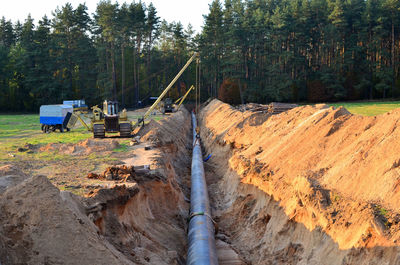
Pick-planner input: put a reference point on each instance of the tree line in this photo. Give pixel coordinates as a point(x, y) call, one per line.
point(251, 50)
point(122, 52)
point(302, 50)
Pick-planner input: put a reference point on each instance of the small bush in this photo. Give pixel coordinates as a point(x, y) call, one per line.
point(229, 91)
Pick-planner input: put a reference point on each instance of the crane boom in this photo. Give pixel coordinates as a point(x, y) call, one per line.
point(165, 91)
point(184, 97)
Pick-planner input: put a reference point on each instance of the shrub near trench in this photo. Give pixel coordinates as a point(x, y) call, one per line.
point(229, 91)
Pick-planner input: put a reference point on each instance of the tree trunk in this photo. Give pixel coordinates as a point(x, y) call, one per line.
point(393, 62)
point(123, 76)
point(372, 58)
point(107, 61)
point(114, 75)
point(135, 97)
point(149, 61)
point(241, 92)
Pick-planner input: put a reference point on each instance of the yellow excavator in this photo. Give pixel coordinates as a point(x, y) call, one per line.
point(106, 120)
point(110, 120)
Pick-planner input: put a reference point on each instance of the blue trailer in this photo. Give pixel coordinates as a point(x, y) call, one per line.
point(55, 117)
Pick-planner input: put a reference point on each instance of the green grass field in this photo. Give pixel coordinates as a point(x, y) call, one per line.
point(19, 130)
point(369, 108)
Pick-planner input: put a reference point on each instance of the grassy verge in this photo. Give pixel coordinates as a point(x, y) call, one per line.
point(368, 108)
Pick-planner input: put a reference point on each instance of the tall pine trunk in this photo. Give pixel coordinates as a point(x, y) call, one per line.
point(393, 62)
point(149, 61)
point(135, 94)
point(114, 75)
point(123, 75)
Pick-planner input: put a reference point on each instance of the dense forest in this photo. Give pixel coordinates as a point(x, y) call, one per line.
point(251, 50)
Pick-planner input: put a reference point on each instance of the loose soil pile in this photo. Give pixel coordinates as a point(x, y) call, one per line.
point(313, 185)
point(125, 173)
point(39, 227)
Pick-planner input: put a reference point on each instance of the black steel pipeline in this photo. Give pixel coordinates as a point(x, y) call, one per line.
point(201, 228)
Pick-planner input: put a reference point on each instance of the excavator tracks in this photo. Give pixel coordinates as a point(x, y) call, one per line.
point(125, 129)
point(99, 131)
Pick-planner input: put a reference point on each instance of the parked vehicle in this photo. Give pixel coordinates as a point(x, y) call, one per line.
point(55, 117)
point(78, 105)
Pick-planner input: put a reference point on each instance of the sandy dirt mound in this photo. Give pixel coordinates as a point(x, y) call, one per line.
point(38, 227)
point(146, 131)
point(144, 221)
point(10, 176)
point(328, 172)
point(168, 130)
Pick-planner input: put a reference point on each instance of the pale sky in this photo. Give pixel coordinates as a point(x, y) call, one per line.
point(185, 11)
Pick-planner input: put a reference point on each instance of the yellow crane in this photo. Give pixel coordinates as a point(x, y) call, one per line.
point(141, 120)
point(182, 99)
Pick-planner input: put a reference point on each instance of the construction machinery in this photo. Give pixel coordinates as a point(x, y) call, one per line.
point(167, 106)
point(159, 99)
point(106, 120)
point(109, 120)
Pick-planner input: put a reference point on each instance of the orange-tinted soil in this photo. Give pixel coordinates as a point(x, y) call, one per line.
point(314, 185)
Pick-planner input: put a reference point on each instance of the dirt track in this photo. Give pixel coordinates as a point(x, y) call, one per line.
point(314, 185)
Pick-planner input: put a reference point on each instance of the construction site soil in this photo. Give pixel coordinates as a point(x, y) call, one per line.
point(312, 185)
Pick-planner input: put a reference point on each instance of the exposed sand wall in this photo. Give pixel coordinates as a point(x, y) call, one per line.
point(314, 185)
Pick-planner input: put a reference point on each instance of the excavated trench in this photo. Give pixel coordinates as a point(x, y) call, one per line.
point(261, 216)
point(147, 221)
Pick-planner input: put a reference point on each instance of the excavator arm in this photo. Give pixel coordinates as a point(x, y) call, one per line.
point(74, 118)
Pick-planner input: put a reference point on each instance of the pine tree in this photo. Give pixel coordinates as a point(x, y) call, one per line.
point(152, 30)
point(211, 45)
point(106, 20)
